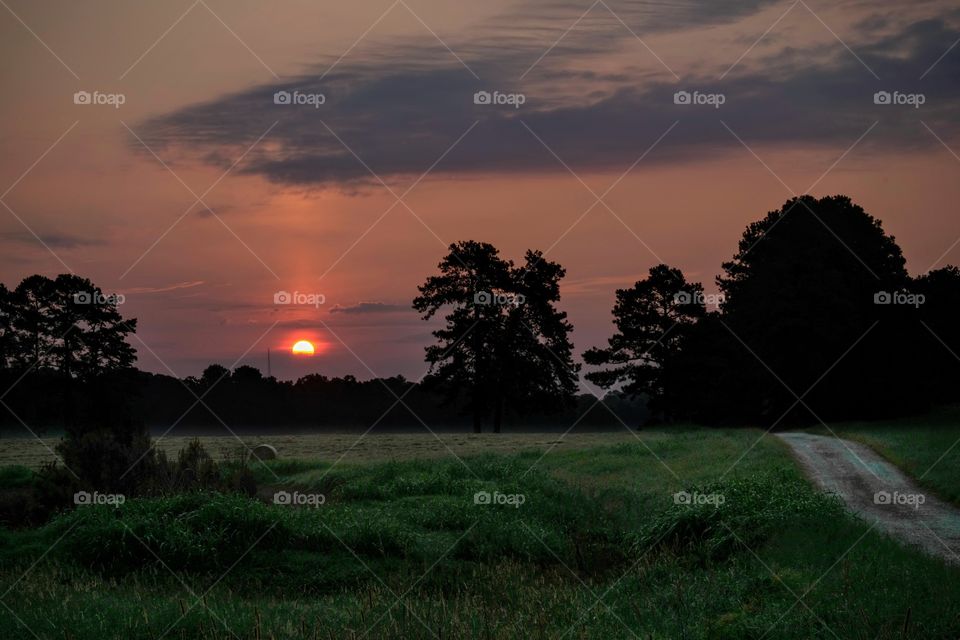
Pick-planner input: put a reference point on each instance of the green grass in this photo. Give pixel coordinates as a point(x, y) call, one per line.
point(925, 447)
point(15, 476)
point(400, 550)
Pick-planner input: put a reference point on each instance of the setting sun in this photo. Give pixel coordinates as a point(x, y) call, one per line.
point(303, 348)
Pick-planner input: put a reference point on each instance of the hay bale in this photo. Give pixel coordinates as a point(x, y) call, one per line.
point(263, 452)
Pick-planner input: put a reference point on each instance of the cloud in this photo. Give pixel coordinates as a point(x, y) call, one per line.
point(369, 307)
point(391, 115)
point(171, 287)
point(53, 240)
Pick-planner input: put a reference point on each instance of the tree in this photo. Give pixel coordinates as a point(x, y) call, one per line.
point(64, 335)
point(504, 342)
point(800, 307)
point(8, 310)
point(245, 374)
point(213, 374)
point(461, 361)
point(57, 335)
point(536, 371)
point(653, 321)
point(33, 301)
point(68, 325)
point(940, 330)
point(90, 333)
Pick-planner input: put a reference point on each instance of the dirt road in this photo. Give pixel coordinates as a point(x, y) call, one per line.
point(879, 492)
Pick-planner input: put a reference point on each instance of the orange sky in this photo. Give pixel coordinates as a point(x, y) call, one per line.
point(203, 285)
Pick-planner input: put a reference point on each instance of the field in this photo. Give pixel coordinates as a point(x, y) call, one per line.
point(582, 541)
point(347, 448)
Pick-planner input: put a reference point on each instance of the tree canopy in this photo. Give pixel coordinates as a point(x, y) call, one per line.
point(817, 318)
point(504, 344)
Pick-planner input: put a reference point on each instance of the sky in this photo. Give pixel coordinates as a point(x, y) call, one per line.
point(151, 147)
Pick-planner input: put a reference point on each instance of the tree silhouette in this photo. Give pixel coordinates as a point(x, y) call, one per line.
point(213, 374)
point(33, 317)
point(800, 306)
point(653, 321)
point(67, 325)
point(64, 335)
point(504, 342)
point(8, 348)
point(536, 371)
point(940, 366)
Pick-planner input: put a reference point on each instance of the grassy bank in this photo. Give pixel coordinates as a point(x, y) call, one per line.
point(925, 447)
point(596, 548)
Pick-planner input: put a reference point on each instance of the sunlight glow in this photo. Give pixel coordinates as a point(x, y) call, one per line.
point(302, 348)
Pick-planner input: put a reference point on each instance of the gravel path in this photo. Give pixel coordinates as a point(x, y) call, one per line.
point(879, 492)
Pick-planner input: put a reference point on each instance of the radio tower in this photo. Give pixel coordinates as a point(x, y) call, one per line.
point(269, 373)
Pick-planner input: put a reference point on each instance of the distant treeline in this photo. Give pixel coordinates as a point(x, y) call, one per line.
point(246, 401)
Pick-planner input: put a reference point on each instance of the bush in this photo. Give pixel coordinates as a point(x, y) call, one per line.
point(53, 488)
point(111, 460)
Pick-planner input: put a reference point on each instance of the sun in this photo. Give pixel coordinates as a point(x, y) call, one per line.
point(302, 348)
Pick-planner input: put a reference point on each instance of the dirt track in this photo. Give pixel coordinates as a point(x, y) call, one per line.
point(879, 492)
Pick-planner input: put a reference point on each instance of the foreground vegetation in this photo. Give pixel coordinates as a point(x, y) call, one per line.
point(597, 549)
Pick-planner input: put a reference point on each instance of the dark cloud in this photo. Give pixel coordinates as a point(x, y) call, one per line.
point(369, 307)
point(54, 240)
point(399, 113)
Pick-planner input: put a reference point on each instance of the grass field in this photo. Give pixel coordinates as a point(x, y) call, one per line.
point(926, 447)
point(401, 549)
point(32, 452)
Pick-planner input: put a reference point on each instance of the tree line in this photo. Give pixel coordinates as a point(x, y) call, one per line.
point(66, 364)
point(816, 318)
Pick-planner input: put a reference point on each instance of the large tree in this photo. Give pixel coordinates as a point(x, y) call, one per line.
point(800, 309)
point(653, 320)
point(67, 325)
point(504, 342)
point(65, 343)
